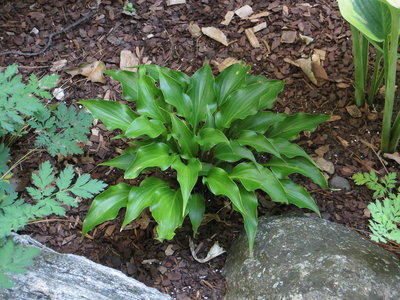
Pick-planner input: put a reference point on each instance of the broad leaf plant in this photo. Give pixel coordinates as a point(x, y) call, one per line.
point(203, 132)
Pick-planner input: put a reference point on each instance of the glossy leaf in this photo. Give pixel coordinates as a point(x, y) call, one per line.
point(106, 206)
point(229, 80)
point(232, 152)
point(114, 115)
point(201, 92)
point(371, 17)
point(268, 99)
point(209, 137)
point(166, 210)
point(196, 208)
point(258, 142)
point(259, 123)
point(124, 160)
point(298, 165)
point(153, 155)
point(254, 177)
point(298, 196)
point(141, 197)
point(291, 150)
point(184, 137)
point(143, 126)
point(242, 103)
point(250, 218)
point(174, 94)
point(178, 76)
point(291, 126)
point(187, 175)
point(219, 183)
point(148, 102)
point(128, 81)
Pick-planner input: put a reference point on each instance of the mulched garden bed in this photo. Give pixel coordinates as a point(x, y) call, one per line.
point(160, 33)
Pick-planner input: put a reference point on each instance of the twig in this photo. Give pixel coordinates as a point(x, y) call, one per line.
point(50, 37)
point(18, 162)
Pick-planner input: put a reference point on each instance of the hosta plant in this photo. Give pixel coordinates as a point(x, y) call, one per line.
point(213, 133)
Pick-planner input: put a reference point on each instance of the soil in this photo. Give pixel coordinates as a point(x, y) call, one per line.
point(159, 32)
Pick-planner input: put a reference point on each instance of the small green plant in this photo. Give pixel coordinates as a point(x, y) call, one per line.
point(216, 133)
point(49, 195)
point(385, 213)
point(129, 7)
point(376, 22)
point(58, 131)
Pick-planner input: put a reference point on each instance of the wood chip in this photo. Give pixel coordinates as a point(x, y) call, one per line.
point(244, 11)
point(288, 37)
point(354, 111)
point(334, 118)
point(320, 53)
point(252, 38)
point(226, 63)
point(175, 2)
point(215, 34)
point(195, 30)
point(259, 27)
point(343, 85)
point(260, 15)
point(228, 17)
point(128, 59)
point(306, 39)
point(325, 165)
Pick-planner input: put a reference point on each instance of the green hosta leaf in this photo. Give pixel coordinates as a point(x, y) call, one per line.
point(184, 137)
point(143, 126)
point(124, 160)
point(166, 210)
point(258, 142)
point(298, 196)
point(113, 114)
point(291, 126)
point(232, 152)
point(187, 175)
point(196, 207)
point(291, 150)
point(300, 165)
point(250, 219)
point(141, 197)
point(229, 80)
point(178, 76)
point(153, 155)
point(268, 99)
point(371, 17)
point(254, 177)
point(149, 102)
point(209, 137)
point(219, 183)
point(128, 81)
point(259, 123)
point(174, 94)
point(106, 206)
point(201, 93)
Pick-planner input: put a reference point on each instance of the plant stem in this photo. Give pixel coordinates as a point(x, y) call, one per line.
point(389, 142)
point(16, 164)
point(360, 53)
point(377, 77)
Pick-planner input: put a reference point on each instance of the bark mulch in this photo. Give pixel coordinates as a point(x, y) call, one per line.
point(159, 33)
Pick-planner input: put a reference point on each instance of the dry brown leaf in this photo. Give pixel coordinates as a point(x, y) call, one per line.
point(128, 59)
point(169, 251)
point(395, 156)
point(343, 85)
point(215, 34)
point(228, 18)
point(58, 65)
point(226, 63)
point(244, 11)
point(306, 39)
point(334, 118)
point(325, 165)
point(343, 141)
point(195, 30)
point(306, 66)
point(354, 111)
point(93, 71)
point(252, 38)
point(322, 150)
point(320, 53)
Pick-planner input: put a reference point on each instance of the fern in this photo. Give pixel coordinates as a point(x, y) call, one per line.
point(18, 101)
point(61, 131)
point(49, 194)
point(386, 213)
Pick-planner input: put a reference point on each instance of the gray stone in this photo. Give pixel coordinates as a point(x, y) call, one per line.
point(56, 276)
point(311, 259)
point(338, 182)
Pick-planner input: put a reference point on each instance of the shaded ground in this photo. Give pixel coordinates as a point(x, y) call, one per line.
point(161, 33)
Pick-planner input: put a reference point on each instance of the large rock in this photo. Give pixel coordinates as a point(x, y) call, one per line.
point(56, 276)
point(311, 259)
